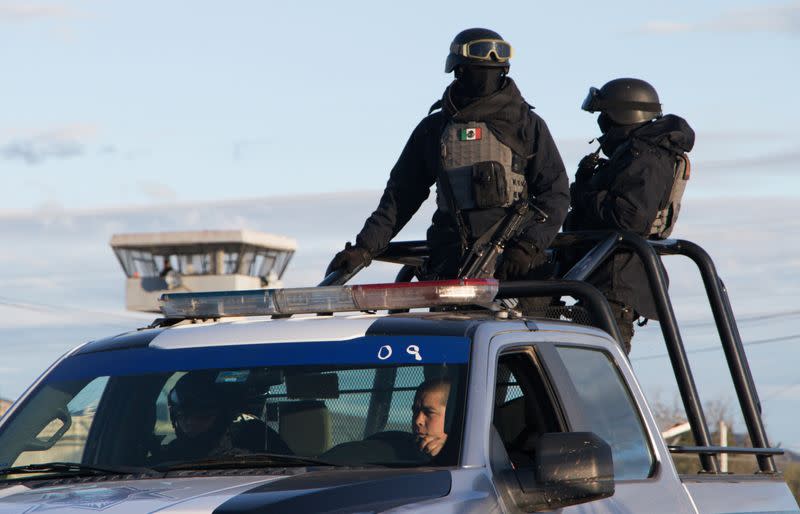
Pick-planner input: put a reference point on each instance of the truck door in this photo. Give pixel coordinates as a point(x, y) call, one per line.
point(545, 387)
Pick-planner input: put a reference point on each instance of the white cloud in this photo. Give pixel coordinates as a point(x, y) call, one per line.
point(783, 18)
point(28, 12)
point(56, 143)
point(665, 27)
point(157, 191)
point(767, 164)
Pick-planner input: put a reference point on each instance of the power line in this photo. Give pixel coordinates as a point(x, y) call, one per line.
point(707, 349)
point(748, 319)
point(780, 391)
point(50, 308)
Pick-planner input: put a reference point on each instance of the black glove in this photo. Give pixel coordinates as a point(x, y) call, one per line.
point(586, 167)
point(349, 259)
point(518, 259)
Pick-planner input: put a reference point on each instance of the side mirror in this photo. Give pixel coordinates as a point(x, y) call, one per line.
point(569, 468)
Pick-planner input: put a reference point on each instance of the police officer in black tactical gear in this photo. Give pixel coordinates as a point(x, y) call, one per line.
point(208, 422)
point(484, 148)
point(630, 189)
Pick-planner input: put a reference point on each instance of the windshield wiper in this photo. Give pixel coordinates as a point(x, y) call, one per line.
point(74, 468)
point(248, 460)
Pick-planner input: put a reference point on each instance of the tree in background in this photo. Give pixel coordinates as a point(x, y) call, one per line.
point(718, 413)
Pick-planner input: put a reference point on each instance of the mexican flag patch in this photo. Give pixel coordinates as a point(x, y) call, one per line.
point(469, 134)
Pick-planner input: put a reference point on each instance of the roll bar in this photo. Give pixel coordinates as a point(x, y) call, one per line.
point(601, 245)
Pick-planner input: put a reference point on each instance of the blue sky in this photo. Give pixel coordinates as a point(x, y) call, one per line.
point(144, 116)
point(109, 103)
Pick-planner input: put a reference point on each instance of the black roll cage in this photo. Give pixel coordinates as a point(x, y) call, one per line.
point(601, 245)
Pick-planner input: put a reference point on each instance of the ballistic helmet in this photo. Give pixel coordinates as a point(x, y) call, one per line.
point(197, 393)
point(625, 101)
point(478, 46)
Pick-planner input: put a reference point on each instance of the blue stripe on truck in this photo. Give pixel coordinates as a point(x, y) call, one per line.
point(370, 350)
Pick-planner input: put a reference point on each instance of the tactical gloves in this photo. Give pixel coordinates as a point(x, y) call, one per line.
point(518, 259)
point(349, 259)
point(583, 177)
point(586, 168)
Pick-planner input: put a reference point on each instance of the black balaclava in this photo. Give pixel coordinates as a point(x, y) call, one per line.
point(614, 134)
point(475, 81)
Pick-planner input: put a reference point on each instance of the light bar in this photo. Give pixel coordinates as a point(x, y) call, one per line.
point(304, 300)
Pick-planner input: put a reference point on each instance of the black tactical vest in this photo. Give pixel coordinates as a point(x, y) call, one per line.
point(480, 170)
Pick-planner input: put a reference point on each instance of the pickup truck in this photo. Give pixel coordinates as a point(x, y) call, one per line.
point(404, 397)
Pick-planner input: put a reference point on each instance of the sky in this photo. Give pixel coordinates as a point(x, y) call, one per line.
point(287, 117)
point(133, 103)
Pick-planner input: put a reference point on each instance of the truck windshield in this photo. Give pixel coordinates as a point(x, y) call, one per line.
point(384, 401)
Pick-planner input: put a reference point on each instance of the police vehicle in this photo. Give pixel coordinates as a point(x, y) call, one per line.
point(403, 397)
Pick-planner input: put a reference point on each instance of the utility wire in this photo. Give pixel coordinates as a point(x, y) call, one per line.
point(747, 319)
point(50, 308)
point(707, 349)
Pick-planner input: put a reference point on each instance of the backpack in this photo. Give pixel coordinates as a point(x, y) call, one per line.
point(668, 213)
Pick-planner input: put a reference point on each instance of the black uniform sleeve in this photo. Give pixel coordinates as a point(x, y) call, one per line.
point(632, 200)
point(548, 182)
point(408, 187)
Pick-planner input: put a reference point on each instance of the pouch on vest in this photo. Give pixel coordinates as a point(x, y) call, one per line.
point(489, 185)
point(668, 213)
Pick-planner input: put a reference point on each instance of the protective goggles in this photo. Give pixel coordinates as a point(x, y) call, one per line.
point(483, 49)
point(592, 100)
point(595, 103)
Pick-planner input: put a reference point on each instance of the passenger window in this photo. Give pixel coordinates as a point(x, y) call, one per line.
point(63, 439)
point(610, 410)
point(523, 408)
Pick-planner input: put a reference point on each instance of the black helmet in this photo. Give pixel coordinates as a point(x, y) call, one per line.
point(198, 392)
point(624, 101)
point(478, 46)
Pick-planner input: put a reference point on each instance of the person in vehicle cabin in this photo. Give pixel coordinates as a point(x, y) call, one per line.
point(637, 187)
point(485, 149)
point(429, 408)
point(208, 423)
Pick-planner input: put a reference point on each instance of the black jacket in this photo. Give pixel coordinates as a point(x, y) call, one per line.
point(511, 119)
point(626, 193)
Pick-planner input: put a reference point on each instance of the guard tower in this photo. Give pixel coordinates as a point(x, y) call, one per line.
point(206, 260)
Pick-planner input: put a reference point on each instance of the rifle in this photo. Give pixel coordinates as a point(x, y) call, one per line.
point(481, 260)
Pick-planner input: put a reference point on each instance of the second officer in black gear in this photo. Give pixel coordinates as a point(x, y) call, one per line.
point(484, 148)
point(629, 189)
point(209, 423)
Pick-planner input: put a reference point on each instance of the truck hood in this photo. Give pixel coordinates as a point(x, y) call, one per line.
point(312, 491)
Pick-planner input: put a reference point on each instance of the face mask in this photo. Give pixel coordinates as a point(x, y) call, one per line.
point(614, 134)
point(476, 81)
point(605, 123)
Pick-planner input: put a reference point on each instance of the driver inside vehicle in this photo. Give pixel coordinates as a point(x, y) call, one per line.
point(429, 408)
point(208, 422)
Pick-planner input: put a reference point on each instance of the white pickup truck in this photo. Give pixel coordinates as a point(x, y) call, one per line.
point(248, 401)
